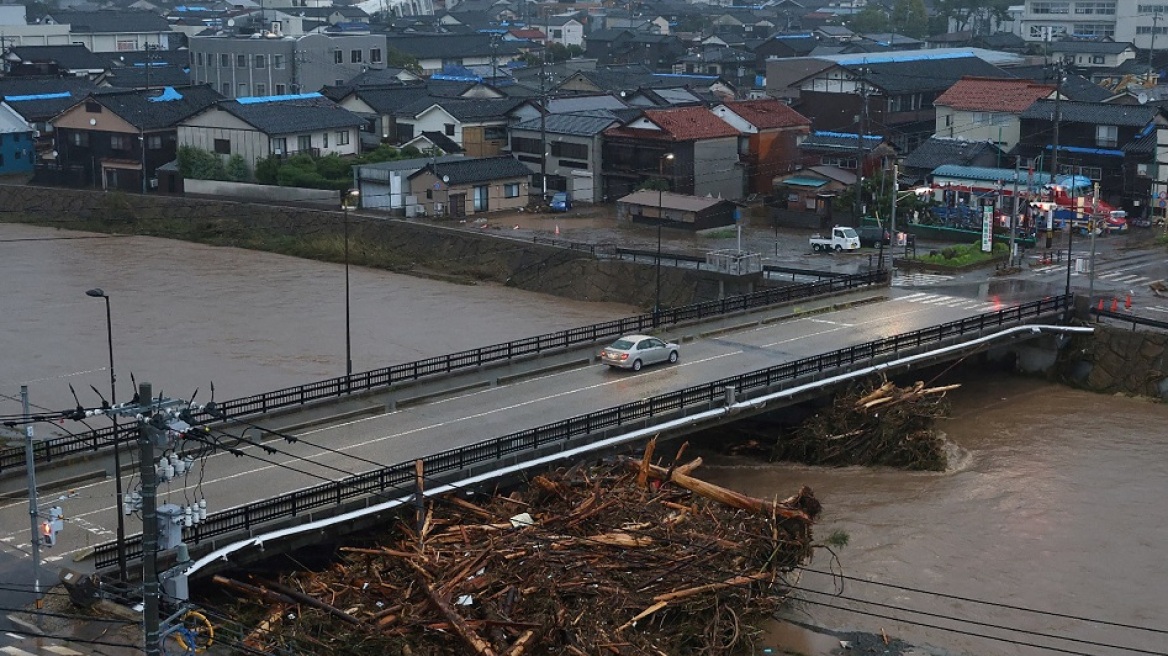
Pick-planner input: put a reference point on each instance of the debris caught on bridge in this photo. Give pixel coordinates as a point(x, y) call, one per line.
point(628, 557)
point(873, 425)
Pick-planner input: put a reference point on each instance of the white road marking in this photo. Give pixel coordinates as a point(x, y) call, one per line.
point(14, 636)
point(16, 651)
point(63, 650)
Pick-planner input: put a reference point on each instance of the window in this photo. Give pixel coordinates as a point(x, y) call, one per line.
point(1097, 59)
point(241, 91)
point(119, 142)
point(511, 190)
point(241, 61)
point(1095, 30)
point(1106, 136)
point(948, 120)
point(525, 145)
point(79, 139)
point(127, 44)
point(92, 107)
point(225, 89)
point(481, 196)
point(279, 145)
point(1095, 8)
point(355, 57)
point(338, 57)
point(324, 140)
point(449, 129)
point(222, 147)
point(1142, 170)
point(343, 138)
point(494, 133)
point(841, 162)
point(278, 61)
point(375, 55)
point(572, 150)
point(199, 58)
point(154, 142)
point(261, 90)
point(1050, 8)
point(405, 131)
point(225, 60)
point(304, 142)
point(281, 89)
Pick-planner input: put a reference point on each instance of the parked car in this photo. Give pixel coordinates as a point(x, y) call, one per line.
point(561, 202)
point(874, 235)
point(636, 351)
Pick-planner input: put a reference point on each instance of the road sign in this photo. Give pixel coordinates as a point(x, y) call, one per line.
point(987, 228)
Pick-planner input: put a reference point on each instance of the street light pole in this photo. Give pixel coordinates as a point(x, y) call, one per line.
point(109, 336)
point(352, 193)
point(660, 220)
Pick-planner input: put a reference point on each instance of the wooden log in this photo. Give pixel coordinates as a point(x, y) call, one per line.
point(382, 551)
point(722, 495)
point(642, 615)
point(646, 460)
point(473, 640)
point(257, 639)
point(307, 600)
point(617, 539)
point(254, 590)
point(519, 647)
point(711, 587)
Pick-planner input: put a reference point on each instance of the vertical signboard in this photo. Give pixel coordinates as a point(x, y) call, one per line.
point(987, 228)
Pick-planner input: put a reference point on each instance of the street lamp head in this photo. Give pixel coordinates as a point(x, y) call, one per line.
point(667, 156)
point(96, 292)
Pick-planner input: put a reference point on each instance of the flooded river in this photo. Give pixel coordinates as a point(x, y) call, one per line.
point(1057, 504)
point(186, 315)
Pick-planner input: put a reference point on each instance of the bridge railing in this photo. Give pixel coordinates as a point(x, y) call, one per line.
point(396, 479)
point(1132, 318)
point(331, 388)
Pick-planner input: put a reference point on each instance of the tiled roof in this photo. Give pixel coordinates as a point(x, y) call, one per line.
point(1075, 87)
point(1092, 112)
point(617, 78)
point(39, 99)
point(1090, 47)
point(157, 109)
point(120, 21)
point(139, 78)
point(1005, 176)
point(479, 169)
point(582, 125)
point(464, 109)
point(583, 103)
point(291, 114)
point(768, 113)
point(74, 57)
point(938, 151)
point(923, 74)
point(443, 142)
point(680, 124)
point(993, 94)
point(454, 46)
point(390, 98)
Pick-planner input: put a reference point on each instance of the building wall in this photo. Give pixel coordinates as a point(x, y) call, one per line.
point(203, 130)
point(716, 170)
point(304, 65)
point(476, 143)
point(586, 184)
point(772, 153)
point(441, 194)
point(36, 35)
point(434, 119)
point(570, 33)
point(16, 152)
point(1002, 128)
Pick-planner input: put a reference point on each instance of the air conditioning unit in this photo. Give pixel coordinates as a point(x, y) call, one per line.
point(277, 151)
point(437, 208)
point(153, 183)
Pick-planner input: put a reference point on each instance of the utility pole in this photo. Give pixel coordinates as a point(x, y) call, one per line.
point(892, 213)
point(30, 467)
point(859, 213)
point(1094, 229)
point(543, 109)
point(1058, 118)
point(1152, 49)
point(1014, 211)
point(151, 622)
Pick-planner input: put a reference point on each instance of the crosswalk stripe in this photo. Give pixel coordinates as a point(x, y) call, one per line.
point(63, 650)
point(15, 651)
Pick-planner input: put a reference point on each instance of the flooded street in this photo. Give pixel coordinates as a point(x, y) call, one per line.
point(1057, 505)
point(186, 315)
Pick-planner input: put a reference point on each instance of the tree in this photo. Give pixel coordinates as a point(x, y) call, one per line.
point(398, 59)
point(974, 15)
point(199, 164)
point(237, 169)
point(910, 18)
point(870, 20)
point(877, 199)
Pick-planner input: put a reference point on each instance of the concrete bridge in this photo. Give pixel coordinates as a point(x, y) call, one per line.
point(354, 453)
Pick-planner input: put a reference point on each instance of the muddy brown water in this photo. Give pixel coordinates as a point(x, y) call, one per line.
point(1056, 504)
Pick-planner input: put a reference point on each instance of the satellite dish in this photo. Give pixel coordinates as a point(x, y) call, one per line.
point(1142, 98)
point(230, 22)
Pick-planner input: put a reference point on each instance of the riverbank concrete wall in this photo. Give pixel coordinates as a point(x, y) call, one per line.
point(1116, 360)
point(434, 250)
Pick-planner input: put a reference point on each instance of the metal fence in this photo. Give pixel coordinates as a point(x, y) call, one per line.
point(396, 480)
point(378, 379)
point(1133, 319)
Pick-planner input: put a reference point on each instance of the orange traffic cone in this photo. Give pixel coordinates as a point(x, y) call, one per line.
point(1100, 305)
point(1127, 302)
point(1114, 305)
point(557, 228)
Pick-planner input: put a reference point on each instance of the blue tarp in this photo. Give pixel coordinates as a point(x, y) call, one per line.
point(168, 94)
point(38, 96)
point(1106, 152)
point(255, 100)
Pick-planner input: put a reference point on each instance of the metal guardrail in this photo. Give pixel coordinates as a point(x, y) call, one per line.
point(1133, 319)
point(55, 448)
point(396, 479)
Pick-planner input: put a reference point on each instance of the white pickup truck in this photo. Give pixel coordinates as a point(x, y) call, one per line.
point(841, 239)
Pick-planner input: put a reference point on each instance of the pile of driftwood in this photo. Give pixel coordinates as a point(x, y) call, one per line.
point(876, 425)
point(628, 558)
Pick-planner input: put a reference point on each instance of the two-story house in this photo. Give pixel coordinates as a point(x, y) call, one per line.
point(1094, 140)
point(574, 148)
point(1091, 54)
point(987, 109)
point(115, 30)
point(657, 52)
point(689, 149)
point(478, 126)
point(463, 186)
point(564, 30)
point(258, 127)
point(17, 153)
point(118, 139)
point(773, 132)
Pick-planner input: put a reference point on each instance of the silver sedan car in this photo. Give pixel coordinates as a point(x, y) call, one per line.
point(636, 351)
